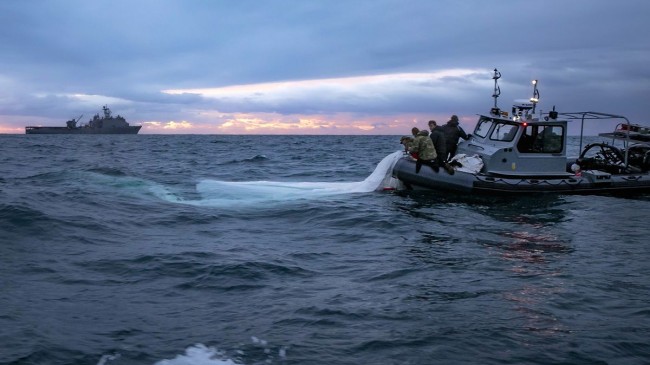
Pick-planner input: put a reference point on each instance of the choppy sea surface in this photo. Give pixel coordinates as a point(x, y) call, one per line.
point(214, 250)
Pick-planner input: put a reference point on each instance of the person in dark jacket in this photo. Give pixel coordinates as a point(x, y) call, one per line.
point(439, 142)
point(453, 132)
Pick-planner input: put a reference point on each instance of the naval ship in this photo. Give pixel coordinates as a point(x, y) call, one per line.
point(108, 124)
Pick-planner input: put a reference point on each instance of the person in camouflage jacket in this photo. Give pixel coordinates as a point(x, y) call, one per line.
point(426, 152)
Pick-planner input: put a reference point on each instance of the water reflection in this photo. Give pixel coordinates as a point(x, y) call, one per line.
point(497, 252)
point(527, 246)
point(529, 229)
point(542, 208)
point(533, 271)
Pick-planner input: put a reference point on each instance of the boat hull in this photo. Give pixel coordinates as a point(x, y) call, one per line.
point(591, 182)
point(82, 130)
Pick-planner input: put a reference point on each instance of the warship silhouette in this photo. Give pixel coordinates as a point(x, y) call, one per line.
point(108, 124)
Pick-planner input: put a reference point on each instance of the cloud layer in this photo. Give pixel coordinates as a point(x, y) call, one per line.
point(375, 67)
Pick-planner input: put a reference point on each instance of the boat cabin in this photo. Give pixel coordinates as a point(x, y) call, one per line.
point(519, 146)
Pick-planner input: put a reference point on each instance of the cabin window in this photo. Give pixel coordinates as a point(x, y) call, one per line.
point(483, 127)
point(504, 132)
point(541, 139)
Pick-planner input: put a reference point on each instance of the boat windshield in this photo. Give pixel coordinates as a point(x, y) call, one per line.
point(483, 127)
point(501, 130)
point(504, 132)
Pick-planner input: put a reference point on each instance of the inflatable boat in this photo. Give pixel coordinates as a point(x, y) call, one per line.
point(520, 153)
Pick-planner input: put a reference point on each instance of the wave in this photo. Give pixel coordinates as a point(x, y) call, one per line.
point(199, 354)
point(108, 171)
point(254, 159)
point(258, 351)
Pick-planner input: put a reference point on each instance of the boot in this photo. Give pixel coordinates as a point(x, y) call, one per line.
point(450, 170)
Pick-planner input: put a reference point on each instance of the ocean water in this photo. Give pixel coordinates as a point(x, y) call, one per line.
point(213, 250)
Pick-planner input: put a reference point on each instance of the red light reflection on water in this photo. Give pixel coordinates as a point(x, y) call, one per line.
point(532, 255)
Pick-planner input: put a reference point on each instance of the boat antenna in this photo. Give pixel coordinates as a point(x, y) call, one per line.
point(497, 89)
point(535, 98)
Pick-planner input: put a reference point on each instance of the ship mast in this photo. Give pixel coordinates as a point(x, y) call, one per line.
point(497, 91)
point(107, 112)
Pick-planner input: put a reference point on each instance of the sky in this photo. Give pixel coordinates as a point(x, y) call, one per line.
point(376, 67)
